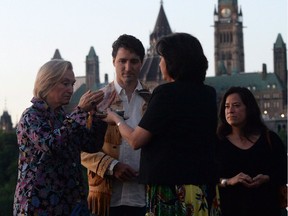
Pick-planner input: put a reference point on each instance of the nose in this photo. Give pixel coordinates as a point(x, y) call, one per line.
point(230, 109)
point(71, 88)
point(128, 66)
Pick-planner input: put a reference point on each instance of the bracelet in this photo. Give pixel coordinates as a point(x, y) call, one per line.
point(119, 123)
point(224, 182)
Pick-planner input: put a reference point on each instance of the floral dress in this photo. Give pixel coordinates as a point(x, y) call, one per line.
point(180, 200)
point(50, 180)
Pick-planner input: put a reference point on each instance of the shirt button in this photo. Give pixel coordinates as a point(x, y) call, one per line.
point(74, 164)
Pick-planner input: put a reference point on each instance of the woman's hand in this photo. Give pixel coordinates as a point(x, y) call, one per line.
point(259, 180)
point(90, 100)
point(247, 181)
point(107, 101)
point(112, 117)
point(241, 178)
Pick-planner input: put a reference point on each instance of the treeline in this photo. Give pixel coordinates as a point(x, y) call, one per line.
point(9, 153)
point(8, 171)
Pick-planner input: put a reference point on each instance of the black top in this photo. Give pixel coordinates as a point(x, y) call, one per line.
point(182, 118)
point(261, 158)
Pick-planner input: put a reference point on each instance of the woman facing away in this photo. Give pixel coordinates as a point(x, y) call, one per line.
point(50, 180)
point(252, 160)
point(177, 133)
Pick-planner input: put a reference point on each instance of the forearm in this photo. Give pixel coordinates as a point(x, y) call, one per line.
point(96, 162)
point(126, 131)
point(136, 137)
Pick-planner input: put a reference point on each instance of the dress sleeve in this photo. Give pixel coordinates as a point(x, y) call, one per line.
point(36, 131)
point(156, 115)
point(93, 137)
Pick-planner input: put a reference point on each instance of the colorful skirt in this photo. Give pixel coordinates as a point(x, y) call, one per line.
point(180, 200)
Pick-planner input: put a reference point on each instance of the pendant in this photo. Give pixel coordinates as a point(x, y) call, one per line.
point(149, 214)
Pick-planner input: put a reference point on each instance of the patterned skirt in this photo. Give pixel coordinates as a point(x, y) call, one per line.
point(180, 200)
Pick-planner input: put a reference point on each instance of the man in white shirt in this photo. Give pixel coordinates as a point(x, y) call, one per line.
point(112, 173)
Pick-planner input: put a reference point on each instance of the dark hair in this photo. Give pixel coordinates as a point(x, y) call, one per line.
point(184, 57)
point(128, 42)
point(254, 122)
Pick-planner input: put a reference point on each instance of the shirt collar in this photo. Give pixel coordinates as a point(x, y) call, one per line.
point(119, 89)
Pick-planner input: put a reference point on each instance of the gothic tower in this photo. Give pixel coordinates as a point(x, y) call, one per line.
point(280, 63)
point(161, 29)
point(92, 69)
point(280, 60)
point(5, 122)
point(150, 73)
point(228, 38)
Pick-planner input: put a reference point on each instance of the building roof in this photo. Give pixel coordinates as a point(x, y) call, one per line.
point(256, 81)
point(150, 70)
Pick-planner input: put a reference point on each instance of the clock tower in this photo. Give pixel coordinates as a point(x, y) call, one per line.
point(228, 38)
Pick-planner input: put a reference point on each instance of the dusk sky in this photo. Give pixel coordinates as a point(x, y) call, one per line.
point(31, 31)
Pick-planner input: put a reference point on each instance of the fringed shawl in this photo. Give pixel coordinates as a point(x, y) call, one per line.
point(100, 184)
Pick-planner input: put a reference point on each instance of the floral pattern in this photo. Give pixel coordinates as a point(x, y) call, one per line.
point(180, 200)
point(50, 180)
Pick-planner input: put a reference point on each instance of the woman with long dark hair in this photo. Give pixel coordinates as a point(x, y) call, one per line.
point(252, 161)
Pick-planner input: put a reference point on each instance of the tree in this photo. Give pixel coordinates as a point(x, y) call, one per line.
point(8, 170)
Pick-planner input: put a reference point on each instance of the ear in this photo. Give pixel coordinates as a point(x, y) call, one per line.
point(113, 61)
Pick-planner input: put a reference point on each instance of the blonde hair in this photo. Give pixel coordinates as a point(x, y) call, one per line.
point(49, 75)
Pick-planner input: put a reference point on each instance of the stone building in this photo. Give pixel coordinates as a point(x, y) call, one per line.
point(269, 88)
point(228, 38)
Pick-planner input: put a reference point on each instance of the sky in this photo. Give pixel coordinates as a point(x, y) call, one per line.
point(31, 31)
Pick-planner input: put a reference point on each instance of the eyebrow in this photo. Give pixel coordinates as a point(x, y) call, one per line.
point(67, 79)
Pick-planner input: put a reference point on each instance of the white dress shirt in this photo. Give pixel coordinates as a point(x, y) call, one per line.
point(129, 193)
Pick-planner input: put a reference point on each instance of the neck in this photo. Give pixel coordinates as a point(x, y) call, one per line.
point(129, 88)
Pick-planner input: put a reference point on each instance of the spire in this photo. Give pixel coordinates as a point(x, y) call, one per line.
point(240, 15)
point(279, 41)
point(150, 72)
point(162, 26)
point(161, 29)
point(57, 55)
point(216, 17)
point(92, 69)
point(92, 53)
point(5, 104)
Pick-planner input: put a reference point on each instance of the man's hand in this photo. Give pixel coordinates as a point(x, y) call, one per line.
point(124, 172)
